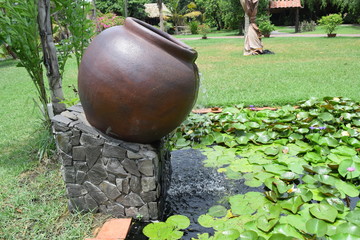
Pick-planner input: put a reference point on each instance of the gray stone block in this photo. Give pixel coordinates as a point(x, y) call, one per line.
point(66, 159)
point(132, 155)
point(149, 196)
point(131, 200)
point(135, 147)
point(63, 141)
point(95, 193)
point(87, 129)
point(59, 127)
point(90, 140)
point(116, 210)
point(123, 184)
point(69, 174)
point(75, 190)
point(148, 184)
point(78, 153)
point(131, 167)
point(110, 190)
point(80, 177)
point(76, 108)
point(146, 167)
point(81, 166)
point(135, 184)
point(61, 120)
point(97, 173)
point(69, 115)
point(92, 205)
point(153, 210)
point(112, 178)
point(144, 213)
point(114, 166)
point(132, 212)
point(92, 154)
point(75, 137)
point(113, 151)
point(78, 204)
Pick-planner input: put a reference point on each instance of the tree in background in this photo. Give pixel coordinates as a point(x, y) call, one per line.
point(130, 8)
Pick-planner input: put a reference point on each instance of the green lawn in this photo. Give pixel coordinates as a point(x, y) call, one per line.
point(32, 200)
point(299, 69)
point(342, 29)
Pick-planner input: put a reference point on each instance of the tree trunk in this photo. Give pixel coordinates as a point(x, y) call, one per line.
point(161, 15)
point(50, 57)
point(297, 24)
point(126, 8)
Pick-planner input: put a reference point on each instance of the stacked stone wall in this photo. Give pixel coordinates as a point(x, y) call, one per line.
point(105, 174)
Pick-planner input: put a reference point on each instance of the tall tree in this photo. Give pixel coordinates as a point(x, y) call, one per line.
point(161, 14)
point(50, 58)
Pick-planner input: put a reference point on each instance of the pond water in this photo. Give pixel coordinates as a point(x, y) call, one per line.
point(193, 190)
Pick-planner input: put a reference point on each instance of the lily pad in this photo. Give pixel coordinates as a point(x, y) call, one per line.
point(179, 221)
point(217, 211)
point(316, 226)
point(324, 212)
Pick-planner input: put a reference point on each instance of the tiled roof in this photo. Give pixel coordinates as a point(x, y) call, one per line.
point(285, 4)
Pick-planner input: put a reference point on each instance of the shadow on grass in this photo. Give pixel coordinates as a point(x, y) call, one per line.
point(8, 63)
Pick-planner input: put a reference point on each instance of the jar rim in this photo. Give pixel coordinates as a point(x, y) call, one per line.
point(160, 38)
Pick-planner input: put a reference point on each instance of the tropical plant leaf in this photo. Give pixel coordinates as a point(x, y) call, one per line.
point(217, 211)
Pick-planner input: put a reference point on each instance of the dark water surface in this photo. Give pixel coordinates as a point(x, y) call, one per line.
point(193, 190)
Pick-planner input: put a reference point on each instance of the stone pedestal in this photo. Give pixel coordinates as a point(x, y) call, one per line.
point(108, 175)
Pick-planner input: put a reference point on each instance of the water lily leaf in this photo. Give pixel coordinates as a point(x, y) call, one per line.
point(328, 141)
point(296, 221)
point(308, 179)
point(337, 203)
point(349, 228)
point(217, 211)
point(271, 195)
point(343, 236)
point(326, 117)
point(271, 151)
point(349, 169)
point(279, 236)
point(289, 176)
point(248, 235)
point(179, 221)
point(287, 230)
point(230, 234)
point(347, 188)
point(316, 226)
point(182, 143)
point(296, 167)
point(314, 157)
point(158, 230)
point(265, 224)
point(318, 169)
point(324, 212)
point(356, 122)
point(263, 137)
point(325, 179)
point(253, 183)
point(239, 126)
point(203, 236)
point(242, 117)
point(302, 130)
point(344, 151)
point(271, 210)
point(293, 204)
point(207, 140)
point(275, 168)
point(305, 194)
point(354, 142)
point(252, 125)
point(337, 158)
point(242, 140)
point(206, 220)
point(239, 205)
point(354, 217)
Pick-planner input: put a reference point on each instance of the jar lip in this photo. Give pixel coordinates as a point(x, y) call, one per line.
point(160, 38)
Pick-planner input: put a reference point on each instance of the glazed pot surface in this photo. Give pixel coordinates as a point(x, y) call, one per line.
point(137, 83)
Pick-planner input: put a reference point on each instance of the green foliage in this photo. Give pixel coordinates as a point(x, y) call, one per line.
point(330, 22)
point(204, 29)
point(265, 25)
point(194, 27)
point(19, 29)
point(304, 157)
point(168, 230)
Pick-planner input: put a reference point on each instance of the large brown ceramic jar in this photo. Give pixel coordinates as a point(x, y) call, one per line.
point(137, 83)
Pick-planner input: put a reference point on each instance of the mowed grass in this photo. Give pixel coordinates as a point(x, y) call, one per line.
point(300, 68)
point(342, 29)
point(32, 199)
point(33, 204)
